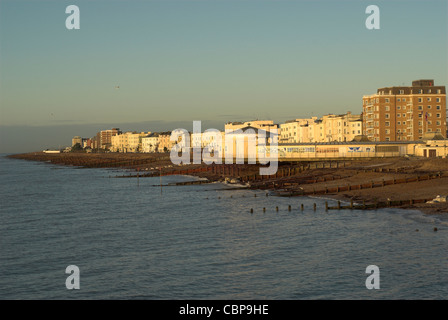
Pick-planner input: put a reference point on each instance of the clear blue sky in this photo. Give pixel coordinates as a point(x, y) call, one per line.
point(215, 61)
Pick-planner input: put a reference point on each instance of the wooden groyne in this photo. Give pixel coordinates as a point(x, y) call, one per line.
point(367, 185)
point(352, 205)
point(165, 172)
point(96, 160)
point(376, 205)
point(188, 183)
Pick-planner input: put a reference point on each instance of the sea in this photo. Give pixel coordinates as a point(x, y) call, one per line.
point(135, 239)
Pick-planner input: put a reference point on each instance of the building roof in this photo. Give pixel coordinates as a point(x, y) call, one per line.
point(360, 138)
point(350, 143)
point(433, 136)
point(152, 135)
point(256, 130)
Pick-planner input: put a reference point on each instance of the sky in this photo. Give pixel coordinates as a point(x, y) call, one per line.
point(214, 61)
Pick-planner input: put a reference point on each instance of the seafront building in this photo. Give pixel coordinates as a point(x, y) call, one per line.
point(296, 131)
point(247, 142)
point(104, 138)
point(394, 114)
point(266, 125)
point(403, 113)
point(86, 143)
point(83, 142)
point(329, 128)
point(127, 142)
point(165, 143)
point(157, 142)
point(150, 143)
point(77, 139)
point(340, 128)
point(432, 148)
point(435, 147)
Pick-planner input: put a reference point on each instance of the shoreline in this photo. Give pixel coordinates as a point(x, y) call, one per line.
point(390, 179)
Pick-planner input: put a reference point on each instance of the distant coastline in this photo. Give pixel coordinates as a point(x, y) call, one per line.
point(424, 178)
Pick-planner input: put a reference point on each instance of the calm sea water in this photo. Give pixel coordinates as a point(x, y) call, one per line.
point(132, 241)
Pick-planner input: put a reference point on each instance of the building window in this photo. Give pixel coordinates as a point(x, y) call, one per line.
point(387, 116)
point(438, 115)
point(398, 115)
point(438, 123)
point(438, 91)
point(438, 107)
point(437, 99)
point(419, 99)
point(399, 107)
point(401, 91)
point(387, 123)
point(398, 99)
point(428, 99)
point(387, 131)
point(387, 108)
point(420, 107)
point(404, 115)
point(399, 122)
point(429, 107)
point(387, 100)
